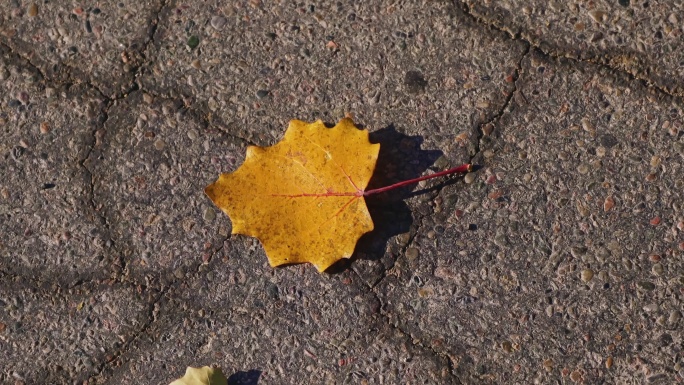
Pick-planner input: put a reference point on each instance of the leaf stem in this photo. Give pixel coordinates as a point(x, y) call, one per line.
point(464, 168)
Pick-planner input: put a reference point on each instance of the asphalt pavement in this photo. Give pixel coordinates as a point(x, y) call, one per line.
point(559, 261)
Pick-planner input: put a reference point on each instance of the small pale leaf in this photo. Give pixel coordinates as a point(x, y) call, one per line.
point(202, 376)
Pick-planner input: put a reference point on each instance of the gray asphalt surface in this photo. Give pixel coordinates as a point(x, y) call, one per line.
point(559, 261)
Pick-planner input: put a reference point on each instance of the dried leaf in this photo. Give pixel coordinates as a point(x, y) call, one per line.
point(303, 197)
point(202, 376)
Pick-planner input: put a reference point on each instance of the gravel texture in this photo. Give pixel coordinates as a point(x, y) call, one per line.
point(642, 38)
point(411, 65)
point(533, 275)
point(101, 43)
point(289, 325)
point(50, 229)
point(150, 164)
point(54, 334)
point(558, 261)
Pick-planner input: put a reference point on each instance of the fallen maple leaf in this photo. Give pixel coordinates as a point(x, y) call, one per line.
point(202, 376)
point(303, 197)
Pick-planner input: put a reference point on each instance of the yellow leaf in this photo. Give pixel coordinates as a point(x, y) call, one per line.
point(202, 376)
point(303, 197)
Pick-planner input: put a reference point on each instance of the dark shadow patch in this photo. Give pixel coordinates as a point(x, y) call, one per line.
point(340, 266)
point(250, 377)
point(400, 158)
point(415, 82)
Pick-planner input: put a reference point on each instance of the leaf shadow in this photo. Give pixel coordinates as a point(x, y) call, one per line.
point(400, 158)
point(250, 377)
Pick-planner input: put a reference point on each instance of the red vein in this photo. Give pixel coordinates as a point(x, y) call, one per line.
point(327, 194)
point(350, 179)
point(338, 212)
point(300, 164)
point(345, 206)
point(464, 168)
point(332, 159)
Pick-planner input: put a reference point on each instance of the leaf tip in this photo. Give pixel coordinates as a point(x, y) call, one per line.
point(214, 191)
point(252, 151)
point(376, 150)
point(347, 124)
point(209, 191)
point(238, 228)
point(347, 120)
point(323, 266)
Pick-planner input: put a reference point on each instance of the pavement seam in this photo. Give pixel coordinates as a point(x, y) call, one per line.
point(108, 103)
point(48, 81)
point(416, 342)
point(71, 79)
point(151, 39)
point(372, 289)
point(151, 33)
point(121, 277)
point(480, 129)
point(91, 191)
point(520, 36)
point(480, 134)
point(27, 60)
point(151, 318)
point(151, 308)
point(504, 108)
point(83, 162)
point(201, 115)
point(478, 149)
point(211, 257)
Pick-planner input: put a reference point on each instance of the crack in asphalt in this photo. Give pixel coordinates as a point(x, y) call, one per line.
point(109, 102)
point(211, 257)
point(203, 117)
point(193, 272)
point(415, 341)
point(149, 42)
point(69, 77)
point(152, 310)
point(504, 108)
point(401, 253)
point(478, 149)
point(26, 59)
point(520, 36)
point(91, 188)
point(151, 318)
point(151, 313)
point(373, 289)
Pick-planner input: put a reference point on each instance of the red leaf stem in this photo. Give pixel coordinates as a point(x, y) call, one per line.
point(464, 168)
point(460, 169)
